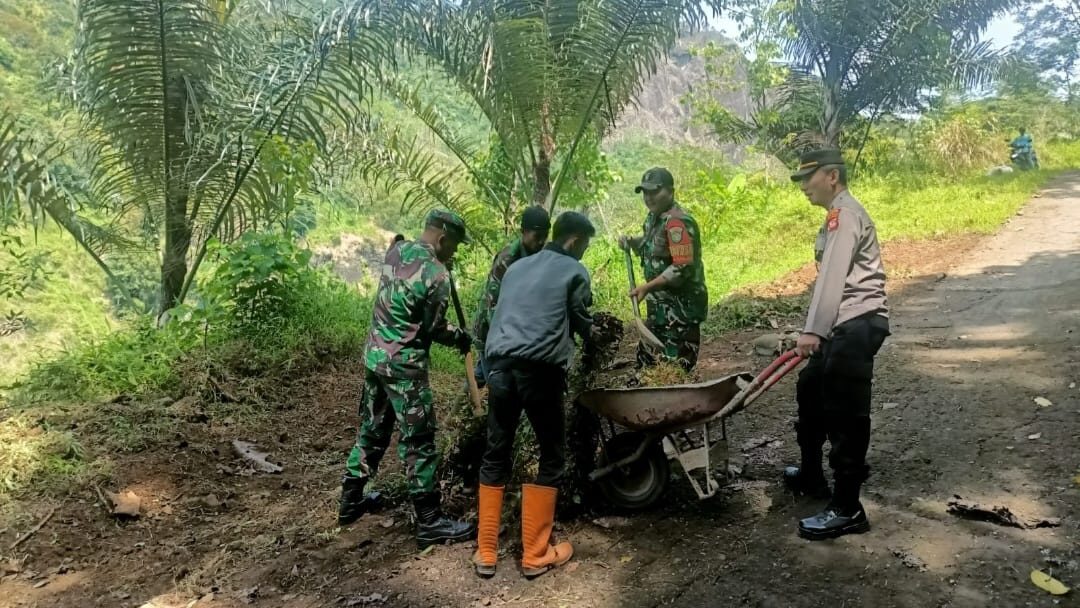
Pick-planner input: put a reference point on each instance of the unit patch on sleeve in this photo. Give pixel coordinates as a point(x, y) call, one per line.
point(833, 220)
point(680, 242)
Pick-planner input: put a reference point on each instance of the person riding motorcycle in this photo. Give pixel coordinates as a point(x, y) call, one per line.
point(1023, 151)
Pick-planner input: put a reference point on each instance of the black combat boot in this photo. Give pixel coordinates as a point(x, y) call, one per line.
point(432, 527)
point(354, 502)
point(808, 479)
point(844, 515)
point(834, 522)
point(805, 483)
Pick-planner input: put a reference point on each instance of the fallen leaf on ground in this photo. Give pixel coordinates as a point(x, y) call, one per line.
point(910, 560)
point(1034, 436)
point(610, 522)
point(258, 459)
point(1043, 401)
point(997, 515)
point(625, 559)
point(388, 522)
point(40, 584)
point(127, 504)
point(1076, 480)
point(429, 549)
point(757, 442)
point(366, 600)
point(248, 596)
point(211, 501)
point(572, 566)
point(1048, 583)
point(12, 566)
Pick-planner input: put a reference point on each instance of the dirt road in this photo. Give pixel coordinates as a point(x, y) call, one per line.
point(954, 413)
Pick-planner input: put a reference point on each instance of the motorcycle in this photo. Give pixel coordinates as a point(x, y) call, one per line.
point(1024, 158)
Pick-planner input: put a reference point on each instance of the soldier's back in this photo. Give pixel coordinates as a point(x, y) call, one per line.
point(395, 345)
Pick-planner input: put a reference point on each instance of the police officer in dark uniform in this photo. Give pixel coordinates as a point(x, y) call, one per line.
point(845, 326)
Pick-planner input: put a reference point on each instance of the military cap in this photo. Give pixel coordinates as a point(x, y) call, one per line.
point(536, 218)
point(655, 179)
point(450, 222)
point(815, 159)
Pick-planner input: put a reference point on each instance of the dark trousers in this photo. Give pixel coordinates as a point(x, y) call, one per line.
point(516, 386)
point(833, 394)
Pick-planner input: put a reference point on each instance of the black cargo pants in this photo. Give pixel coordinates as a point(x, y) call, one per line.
point(537, 389)
point(833, 394)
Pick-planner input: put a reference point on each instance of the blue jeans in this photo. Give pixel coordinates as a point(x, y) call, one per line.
point(480, 370)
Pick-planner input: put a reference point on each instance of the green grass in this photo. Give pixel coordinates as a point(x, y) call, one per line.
point(68, 308)
point(755, 231)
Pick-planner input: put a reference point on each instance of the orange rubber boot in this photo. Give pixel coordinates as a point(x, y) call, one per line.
point(487, 530)
point(537, 518)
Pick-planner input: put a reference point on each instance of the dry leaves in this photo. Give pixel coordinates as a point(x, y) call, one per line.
point(258, 460)
point(127, 504)
point(997, 514)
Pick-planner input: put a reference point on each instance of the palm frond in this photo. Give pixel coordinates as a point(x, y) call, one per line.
point(30, 195)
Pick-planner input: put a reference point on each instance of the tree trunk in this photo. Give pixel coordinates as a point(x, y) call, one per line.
point(542, 168)
point(177, 224)
point(177, 242)
point(831, 79)
point(542, 178)
point(830, 119)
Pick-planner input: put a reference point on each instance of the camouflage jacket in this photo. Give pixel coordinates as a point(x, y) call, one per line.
point(409, 312)
point(490, 295)
point(671, 246)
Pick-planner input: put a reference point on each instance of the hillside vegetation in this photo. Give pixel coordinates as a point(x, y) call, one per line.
point(257, 311)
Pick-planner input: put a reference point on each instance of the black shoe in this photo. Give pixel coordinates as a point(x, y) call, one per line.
point(806, 486)
point(832, 523)
point(432, 527)
point(354, 502)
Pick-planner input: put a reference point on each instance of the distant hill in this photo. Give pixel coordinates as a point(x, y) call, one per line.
point(659, 114)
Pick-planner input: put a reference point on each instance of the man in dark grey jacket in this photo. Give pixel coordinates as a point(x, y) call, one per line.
point(543, 303)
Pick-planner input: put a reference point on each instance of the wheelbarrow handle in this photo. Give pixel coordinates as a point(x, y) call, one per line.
point(763, 382)
point(784, 363)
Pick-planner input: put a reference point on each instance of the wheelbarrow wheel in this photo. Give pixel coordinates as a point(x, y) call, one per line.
point(640, 483)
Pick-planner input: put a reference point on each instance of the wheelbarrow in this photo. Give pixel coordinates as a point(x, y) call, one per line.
point(665, 423)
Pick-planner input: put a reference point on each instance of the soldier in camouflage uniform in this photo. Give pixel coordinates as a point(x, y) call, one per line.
point(535, 224)
point(409, 314)
point(676, 299)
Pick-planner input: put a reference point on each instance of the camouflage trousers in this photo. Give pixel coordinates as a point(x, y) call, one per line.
point(681, 344)
point(410, 403)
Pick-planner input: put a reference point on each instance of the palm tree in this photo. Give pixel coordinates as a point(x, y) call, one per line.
point(876, 57)
point(547, 76)
point(180, 97)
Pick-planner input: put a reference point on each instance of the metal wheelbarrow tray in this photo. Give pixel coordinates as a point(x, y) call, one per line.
point(634, 466)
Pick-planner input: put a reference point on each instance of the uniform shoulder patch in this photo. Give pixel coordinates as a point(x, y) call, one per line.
point(833, 220)
point(680, 242)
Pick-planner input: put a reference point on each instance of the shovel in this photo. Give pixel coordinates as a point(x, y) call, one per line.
point(646, 336)
point(470, 366)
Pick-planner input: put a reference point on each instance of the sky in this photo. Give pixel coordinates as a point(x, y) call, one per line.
point(1001, 31)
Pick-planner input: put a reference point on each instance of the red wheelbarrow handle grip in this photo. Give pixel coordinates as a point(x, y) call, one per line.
point(789, 361)
point(770, 376)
